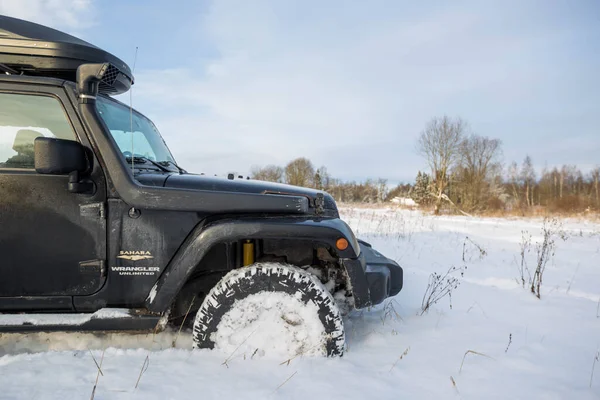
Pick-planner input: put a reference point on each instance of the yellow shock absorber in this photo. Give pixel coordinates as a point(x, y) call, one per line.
point(248, 248)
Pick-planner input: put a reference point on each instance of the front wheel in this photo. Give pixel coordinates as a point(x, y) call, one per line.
point(270, 308)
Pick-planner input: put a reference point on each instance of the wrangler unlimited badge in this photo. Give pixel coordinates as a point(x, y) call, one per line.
point(135, 256)
point(136, 270)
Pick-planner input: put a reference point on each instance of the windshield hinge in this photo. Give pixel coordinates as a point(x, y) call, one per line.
point(319, 203)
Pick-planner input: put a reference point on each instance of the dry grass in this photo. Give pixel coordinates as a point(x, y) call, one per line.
point(400, 358)
point(541, 212)
point(286, 381)
point(509, 342)
point(475, 353)
point(532, 212)
point(525, 246)
point(382, 205)
point(454, 384)
point(142, 370)
point(596, 359)
point(438, 287)
point(237, 348)
point(551, 229)
point(389, 311)
point(96, 362)
point(470, 247)
point(182, 323)
point(99, 367)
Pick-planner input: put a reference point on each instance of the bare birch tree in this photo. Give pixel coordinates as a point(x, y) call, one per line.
point(440, 143)
point(271, 173)
point(528, 179)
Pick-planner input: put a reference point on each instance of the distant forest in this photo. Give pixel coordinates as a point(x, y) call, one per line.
point(466, 174)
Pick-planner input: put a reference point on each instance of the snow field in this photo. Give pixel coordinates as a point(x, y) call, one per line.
point(522, 347)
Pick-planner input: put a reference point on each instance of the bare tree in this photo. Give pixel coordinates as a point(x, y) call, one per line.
point(440, 143)
point(478, 167)
point(513, 176)
point(300, 172)
point(322, 180)
point(272, 173)
point(595, 177)
point(326, 180)
point(382, 189)
point(528, 179)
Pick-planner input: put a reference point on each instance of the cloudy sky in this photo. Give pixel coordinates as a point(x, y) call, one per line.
point(350, 84)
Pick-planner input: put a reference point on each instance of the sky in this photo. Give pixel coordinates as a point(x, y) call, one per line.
point(349, 84)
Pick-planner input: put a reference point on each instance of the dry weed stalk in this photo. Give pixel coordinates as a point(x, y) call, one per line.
point(596, 359)
point(302, 351)
point(509, 342)
point(98, 373)
point(472, 352)
point(286, 381)
point(551, 228)
point(454, 384)
point(96, 362)
point(237, 348)
point(440, 286)
point(389, 311)
point(465, 254)
point(478, 305)
point(525, 247)
point(400, 358)
point(183, 322)
point(144, 368)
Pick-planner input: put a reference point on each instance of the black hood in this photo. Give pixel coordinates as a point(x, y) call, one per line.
point(217, 184)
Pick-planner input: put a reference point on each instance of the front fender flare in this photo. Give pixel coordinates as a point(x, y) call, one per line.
point(200, 241)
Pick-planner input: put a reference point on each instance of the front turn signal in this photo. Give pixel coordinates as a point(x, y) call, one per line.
point(341, 244)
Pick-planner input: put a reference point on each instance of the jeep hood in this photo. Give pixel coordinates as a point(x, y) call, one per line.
point(203, 182)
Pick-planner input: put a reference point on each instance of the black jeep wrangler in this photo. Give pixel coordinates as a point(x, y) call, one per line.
point(100, 229)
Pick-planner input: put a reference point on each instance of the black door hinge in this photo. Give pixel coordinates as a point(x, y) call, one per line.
point(95, 210)
point(93, 267)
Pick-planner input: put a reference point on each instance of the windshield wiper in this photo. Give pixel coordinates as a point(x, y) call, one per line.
point(143, 160)
point(181, 170)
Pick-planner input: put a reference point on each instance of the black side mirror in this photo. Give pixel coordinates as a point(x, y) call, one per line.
point(62, 157)
point(58, 156)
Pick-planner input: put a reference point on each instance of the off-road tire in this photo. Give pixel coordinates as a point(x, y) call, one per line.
point(270, 277)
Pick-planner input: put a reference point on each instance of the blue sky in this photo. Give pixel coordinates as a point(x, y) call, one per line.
point(350, 85)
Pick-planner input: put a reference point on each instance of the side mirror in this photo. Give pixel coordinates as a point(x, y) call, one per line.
point(62, 157)
point(58, 156)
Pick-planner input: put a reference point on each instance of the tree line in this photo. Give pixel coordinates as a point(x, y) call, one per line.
point(301, 172)
point(466, 173)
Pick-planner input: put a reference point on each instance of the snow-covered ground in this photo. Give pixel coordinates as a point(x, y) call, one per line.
point(526, 348)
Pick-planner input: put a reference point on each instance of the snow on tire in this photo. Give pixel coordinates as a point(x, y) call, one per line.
point(270, 308)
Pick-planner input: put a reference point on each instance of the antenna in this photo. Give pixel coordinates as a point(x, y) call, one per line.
point(131, 113)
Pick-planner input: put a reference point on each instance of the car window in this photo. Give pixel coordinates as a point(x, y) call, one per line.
point(24, 118)
point(135, 134)
point(125, 141)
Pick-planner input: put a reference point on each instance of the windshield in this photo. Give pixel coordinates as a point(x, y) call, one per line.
point(135, 134)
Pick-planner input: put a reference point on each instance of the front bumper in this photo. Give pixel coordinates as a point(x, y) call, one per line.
point(373, 276)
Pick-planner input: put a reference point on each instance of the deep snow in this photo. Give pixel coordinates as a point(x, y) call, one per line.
point(534, 348)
